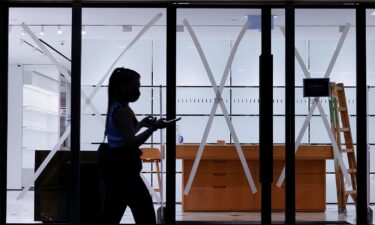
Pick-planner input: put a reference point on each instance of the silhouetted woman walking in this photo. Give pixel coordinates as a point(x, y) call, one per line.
point(121, 164)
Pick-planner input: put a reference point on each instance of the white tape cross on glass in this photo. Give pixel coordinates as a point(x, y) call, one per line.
point(218, 101)
point(316, 103)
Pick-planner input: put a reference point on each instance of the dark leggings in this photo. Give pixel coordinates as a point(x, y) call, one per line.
point(124, 188)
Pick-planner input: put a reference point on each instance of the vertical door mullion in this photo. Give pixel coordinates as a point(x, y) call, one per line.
point(290, 215)
point(74, 188)
point(4, 24)
point(266, 117)
point(362, 147)
point(171, 114)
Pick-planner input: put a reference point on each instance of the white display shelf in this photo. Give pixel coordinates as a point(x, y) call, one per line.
point(40, 129)
point(40, 90)
point(40, 110)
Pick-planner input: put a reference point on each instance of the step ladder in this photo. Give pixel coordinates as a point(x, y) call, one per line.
point(340, 125)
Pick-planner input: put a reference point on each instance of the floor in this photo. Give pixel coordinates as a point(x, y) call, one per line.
point(22, 211)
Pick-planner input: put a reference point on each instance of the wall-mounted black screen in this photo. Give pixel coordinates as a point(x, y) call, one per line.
point(316, 87)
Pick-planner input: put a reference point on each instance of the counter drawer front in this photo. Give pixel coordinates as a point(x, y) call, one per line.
point(219, 198)
point(218, 179)
point(217, 166)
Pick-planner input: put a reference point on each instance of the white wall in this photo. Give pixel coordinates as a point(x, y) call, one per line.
point(14, 127)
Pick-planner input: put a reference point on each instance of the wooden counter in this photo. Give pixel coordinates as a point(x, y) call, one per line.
point(220, 183)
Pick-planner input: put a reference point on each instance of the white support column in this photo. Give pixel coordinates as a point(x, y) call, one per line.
point(15, 123)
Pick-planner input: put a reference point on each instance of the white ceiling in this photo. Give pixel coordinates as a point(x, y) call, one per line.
point(106, 24)
point(120, 16)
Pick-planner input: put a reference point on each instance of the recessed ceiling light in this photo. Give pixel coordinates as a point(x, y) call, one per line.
point(23, 32)
point(373, 13)
point(59, 31)
point(83, 30)
point(42, 31)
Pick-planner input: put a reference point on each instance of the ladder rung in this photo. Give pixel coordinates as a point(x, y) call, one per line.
point(352, 170)
point(351, 192)
point(344, 129)
point(347, 150)
point(342, 109)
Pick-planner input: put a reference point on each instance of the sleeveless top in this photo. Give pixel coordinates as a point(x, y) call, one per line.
point(127, 161)
point(114, 136)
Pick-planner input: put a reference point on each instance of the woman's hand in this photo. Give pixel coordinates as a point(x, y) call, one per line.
point(161, 123)
point(147, 122)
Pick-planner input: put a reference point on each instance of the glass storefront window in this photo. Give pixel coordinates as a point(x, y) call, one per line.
point(219, 188)
point(39, 115)
point(325, 43)
point(131, 38)
point(40, 98)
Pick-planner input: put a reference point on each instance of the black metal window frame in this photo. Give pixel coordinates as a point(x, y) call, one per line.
point(171, 95)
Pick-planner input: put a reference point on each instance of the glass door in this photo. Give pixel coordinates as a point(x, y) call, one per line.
point(115, 39)
point(217, 145)
point(325, 115)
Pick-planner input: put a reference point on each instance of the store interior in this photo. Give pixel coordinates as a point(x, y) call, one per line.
point(39, 100)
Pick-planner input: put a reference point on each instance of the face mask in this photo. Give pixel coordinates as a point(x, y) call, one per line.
point(134, 95)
